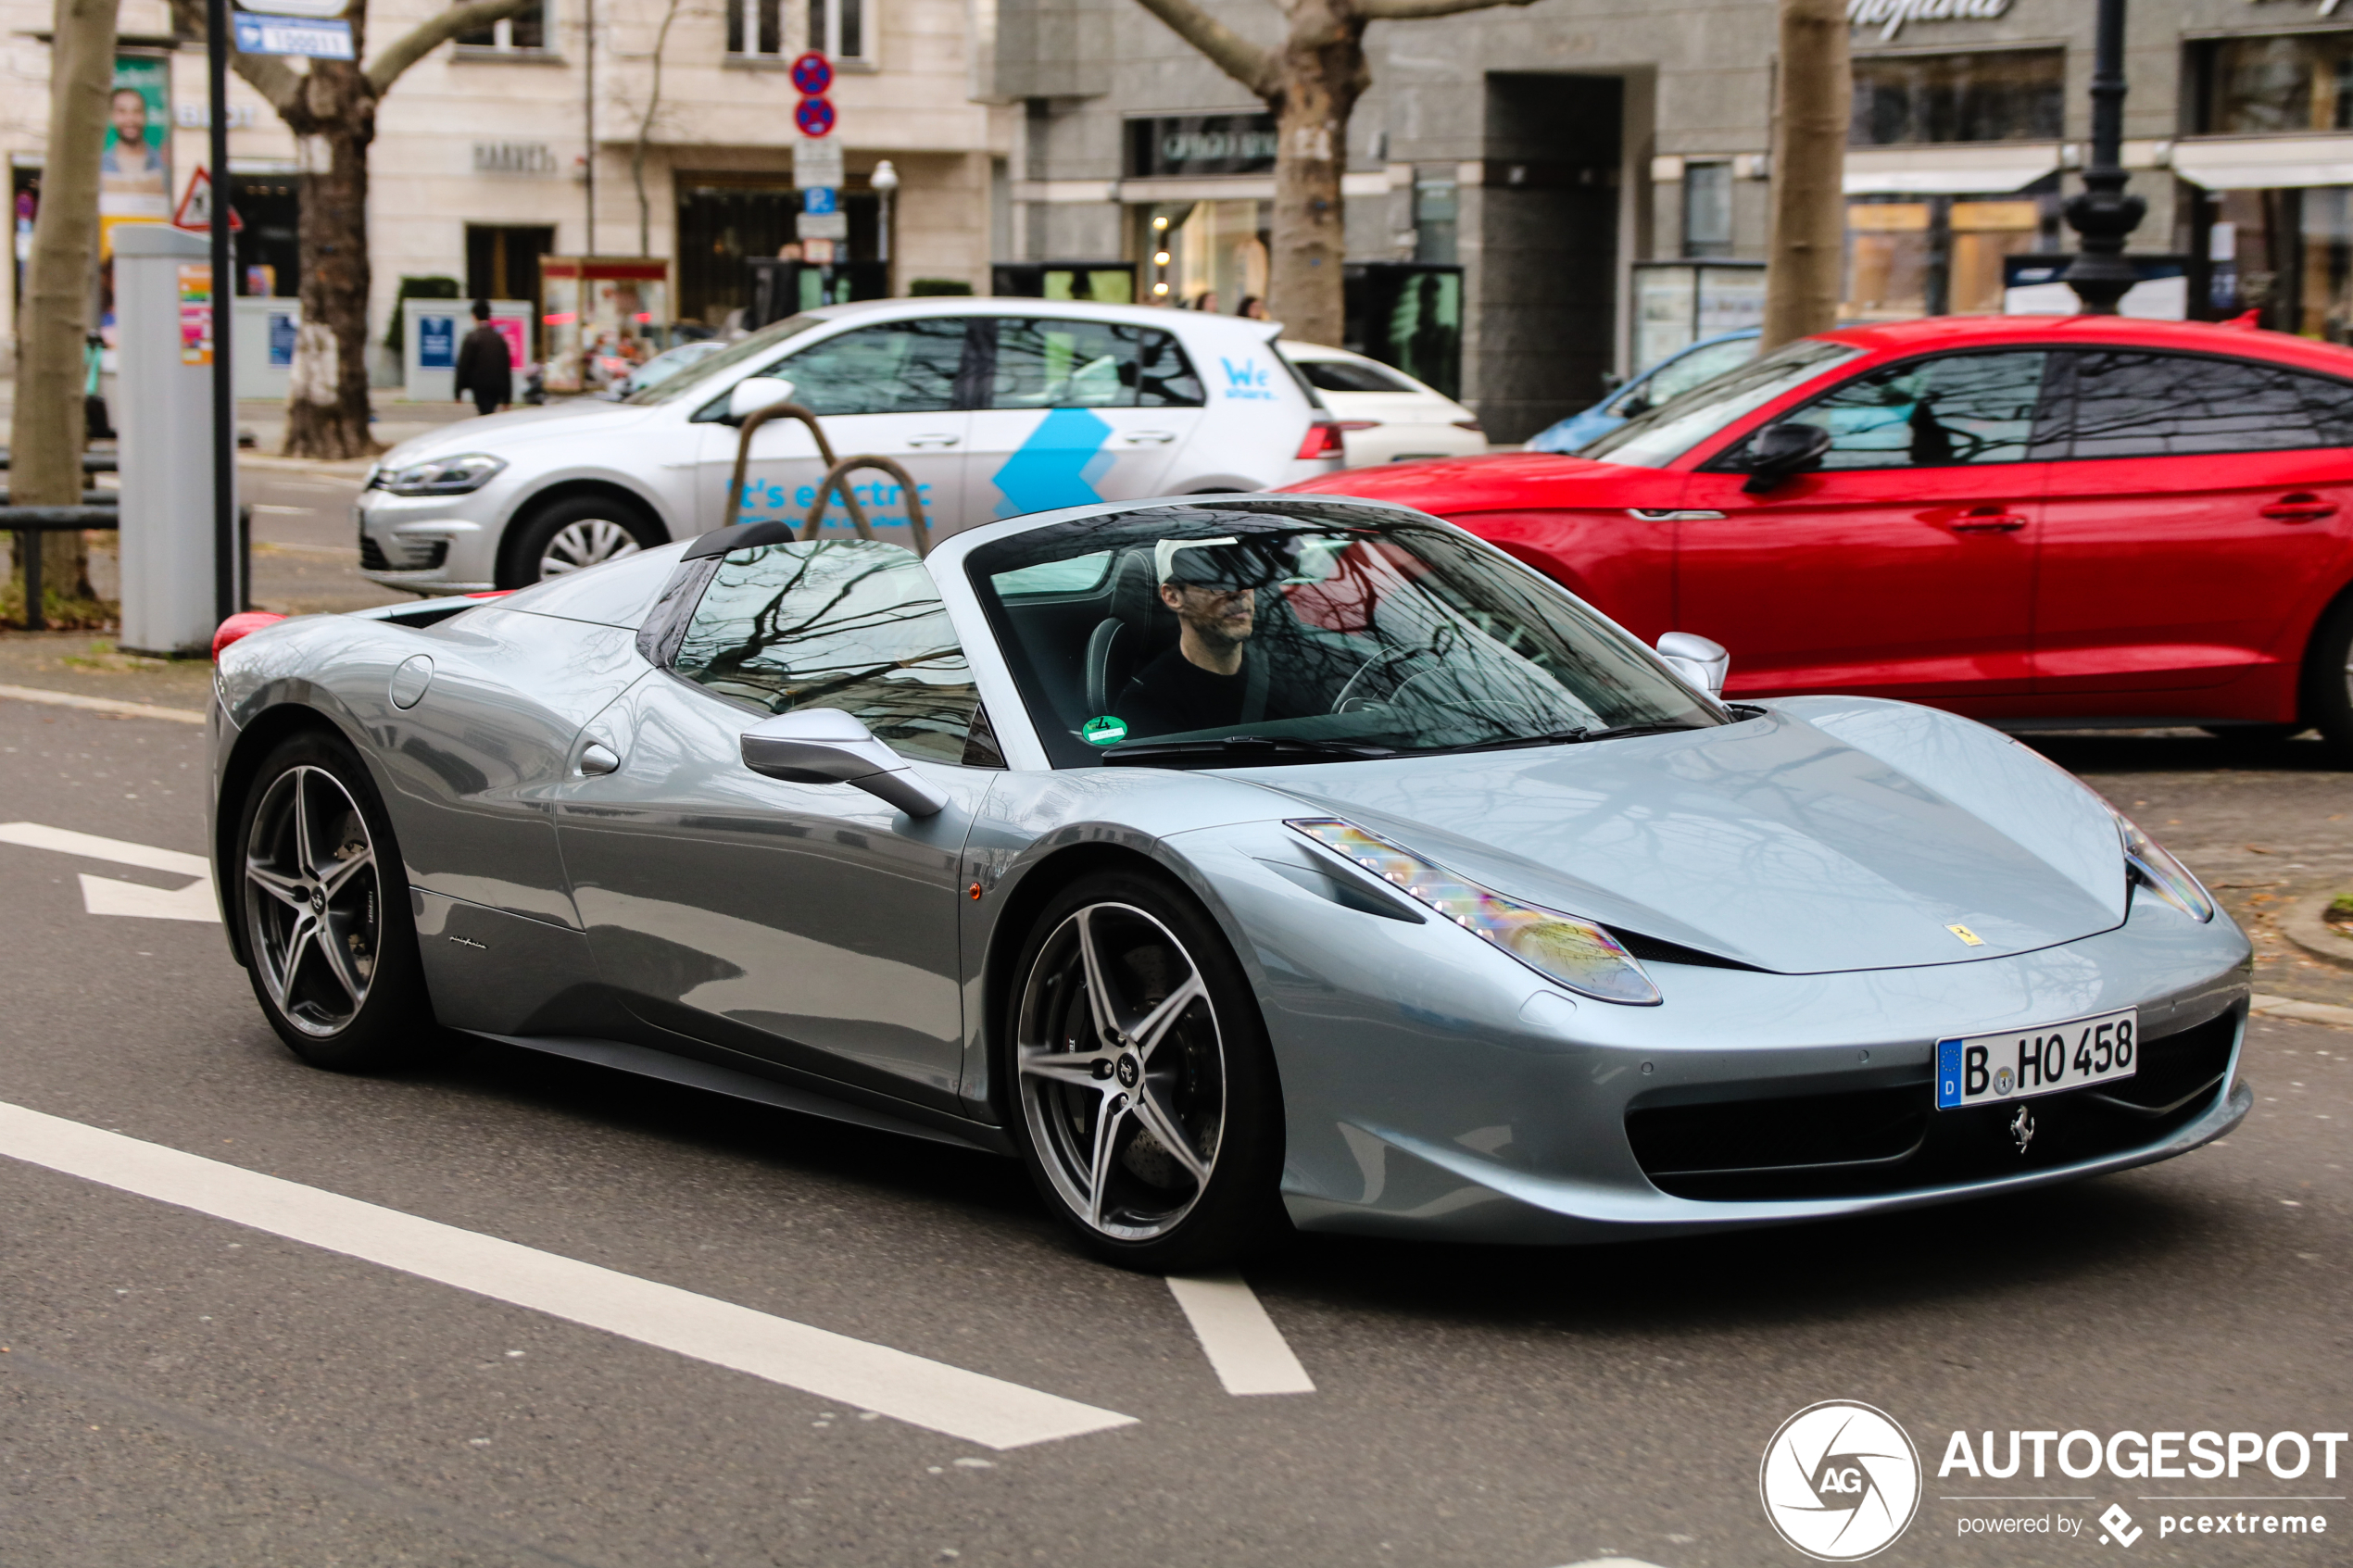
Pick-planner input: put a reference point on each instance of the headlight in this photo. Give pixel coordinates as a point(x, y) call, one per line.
point(1575, 953)
point(444, 476)
point(2146, 862)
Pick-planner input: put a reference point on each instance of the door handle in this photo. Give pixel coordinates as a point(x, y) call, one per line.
point(933, 440)
point(1156, 437)
point(1988, 519)
point(2300, 506)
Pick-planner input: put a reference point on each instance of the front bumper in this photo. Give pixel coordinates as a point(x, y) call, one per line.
point(429, 544)
point(1434, 1087)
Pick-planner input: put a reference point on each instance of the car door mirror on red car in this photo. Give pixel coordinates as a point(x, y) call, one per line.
point(1778, 452)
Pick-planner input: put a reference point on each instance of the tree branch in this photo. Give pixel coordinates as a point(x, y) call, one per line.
point(432, 32)
point(1406, 10)
point(267, 74)
point(1227, 50)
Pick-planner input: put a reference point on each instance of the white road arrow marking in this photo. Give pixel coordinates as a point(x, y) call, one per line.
point(109, 896)
point(912, 1388)
point(1243, 1345)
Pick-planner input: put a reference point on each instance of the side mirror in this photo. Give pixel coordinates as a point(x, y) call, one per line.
point(755, 393)
point(1634, 406)
point(1611, 381)
point(1779, 451)
point(826, 746)
point(1701, 662)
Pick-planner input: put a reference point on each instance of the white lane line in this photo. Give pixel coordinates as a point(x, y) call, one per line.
point(924, 1393)
point(1242, 1343)
point(103, 705)
point(106, 895)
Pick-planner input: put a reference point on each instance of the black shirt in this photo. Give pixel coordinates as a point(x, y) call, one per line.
point(1174, 696)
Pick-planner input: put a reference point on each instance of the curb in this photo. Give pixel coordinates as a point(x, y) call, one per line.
point(2301, 1012)
point(103, 705)
point(2301, 923)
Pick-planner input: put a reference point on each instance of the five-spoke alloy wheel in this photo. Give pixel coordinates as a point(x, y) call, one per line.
point(323, 911)
point(1145, 1091)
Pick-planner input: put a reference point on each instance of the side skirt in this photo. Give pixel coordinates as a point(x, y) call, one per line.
point(647, 1062)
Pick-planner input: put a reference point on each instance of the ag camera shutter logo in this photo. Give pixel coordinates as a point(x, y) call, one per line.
point(1839, 1481)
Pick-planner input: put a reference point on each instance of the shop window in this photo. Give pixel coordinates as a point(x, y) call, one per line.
point(1707, 209)
point(838, 28)
point(1938, 255)
point(1437, 209)
point(2134, 405)
point(525, 32)
point(2245, 86)
point(1217, 253)
point(2284, 254)
point(1992, 96)
point(756, 27)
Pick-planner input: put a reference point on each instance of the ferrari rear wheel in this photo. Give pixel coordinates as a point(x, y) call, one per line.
point(1145, 1096)
point(323, 910)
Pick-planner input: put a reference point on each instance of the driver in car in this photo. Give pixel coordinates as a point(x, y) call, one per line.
point(1211, 679)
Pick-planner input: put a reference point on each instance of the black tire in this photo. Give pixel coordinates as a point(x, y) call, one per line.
point(567, 535)
point(1206, 1073)
point(2328, 681)
point(356, 1002)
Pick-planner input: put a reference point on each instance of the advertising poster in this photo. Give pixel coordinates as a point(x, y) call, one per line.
point(134, 173)
point(196, 313)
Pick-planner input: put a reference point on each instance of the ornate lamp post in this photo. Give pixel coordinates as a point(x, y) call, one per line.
point(2102, 213)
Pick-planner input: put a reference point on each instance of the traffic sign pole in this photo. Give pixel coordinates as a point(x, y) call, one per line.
point(228, 593)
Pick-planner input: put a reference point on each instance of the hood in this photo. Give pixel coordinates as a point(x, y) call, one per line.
point(1772, 841)
point(499, 432)
point(1503, 481)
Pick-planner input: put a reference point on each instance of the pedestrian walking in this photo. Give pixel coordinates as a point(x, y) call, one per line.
point(484, 368)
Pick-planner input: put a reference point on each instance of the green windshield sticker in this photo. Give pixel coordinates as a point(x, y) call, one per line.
point(1104, 730)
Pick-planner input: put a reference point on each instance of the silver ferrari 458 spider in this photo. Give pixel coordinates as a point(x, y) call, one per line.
point(1232, 862)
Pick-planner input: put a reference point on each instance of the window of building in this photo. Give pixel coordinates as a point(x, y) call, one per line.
point(1990, 95)
point(1941, 255)
point(2302, 81)
point(837, 28)
point(525, 32)
point(1437, 214)
point(1707, 209)
point(756, 27)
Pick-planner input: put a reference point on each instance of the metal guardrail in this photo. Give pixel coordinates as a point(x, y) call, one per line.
point(28, 522)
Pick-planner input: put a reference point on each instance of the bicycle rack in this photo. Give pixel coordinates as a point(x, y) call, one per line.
point(835, 470)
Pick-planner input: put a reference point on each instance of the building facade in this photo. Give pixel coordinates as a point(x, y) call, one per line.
point(546, 133)
point(1556, 152)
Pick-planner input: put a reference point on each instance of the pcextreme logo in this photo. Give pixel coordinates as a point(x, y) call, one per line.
point(1841, 1481)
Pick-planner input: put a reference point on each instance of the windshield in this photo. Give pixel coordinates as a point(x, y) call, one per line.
point(758, 346)
point(1655, 439)
point(1233, 632)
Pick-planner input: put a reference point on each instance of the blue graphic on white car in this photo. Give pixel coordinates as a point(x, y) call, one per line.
point(1247, 380)
point(764, 502)
point(1058, 465)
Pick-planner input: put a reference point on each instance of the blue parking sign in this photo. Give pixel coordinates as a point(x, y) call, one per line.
point(820, 199)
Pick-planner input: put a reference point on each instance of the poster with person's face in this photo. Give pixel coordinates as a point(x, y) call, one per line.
point(134, 172)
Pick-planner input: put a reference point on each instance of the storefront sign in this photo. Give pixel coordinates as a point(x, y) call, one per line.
point(1888, 16)
point(1200, 144)
point(513, 157)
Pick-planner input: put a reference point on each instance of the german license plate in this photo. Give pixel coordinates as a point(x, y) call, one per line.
point(2043, 1060)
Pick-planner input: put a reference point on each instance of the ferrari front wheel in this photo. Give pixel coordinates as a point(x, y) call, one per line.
point(1144, 1096)
point(324, 911)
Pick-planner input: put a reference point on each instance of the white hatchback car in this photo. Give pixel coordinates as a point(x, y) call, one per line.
point(994, 407)
point(1385, 414)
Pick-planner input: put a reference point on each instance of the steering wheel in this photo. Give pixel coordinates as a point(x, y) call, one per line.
point(1435, 648)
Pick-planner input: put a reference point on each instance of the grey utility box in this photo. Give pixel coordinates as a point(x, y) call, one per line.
point(163, 408)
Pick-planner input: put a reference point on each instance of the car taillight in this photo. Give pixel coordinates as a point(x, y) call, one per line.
point(241, 626)
point(1321, 440)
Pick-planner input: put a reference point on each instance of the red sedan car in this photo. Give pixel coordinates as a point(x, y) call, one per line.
point(2024, 519)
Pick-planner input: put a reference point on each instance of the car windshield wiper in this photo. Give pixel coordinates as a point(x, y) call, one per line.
point(1570, 737)
point(1234, 747)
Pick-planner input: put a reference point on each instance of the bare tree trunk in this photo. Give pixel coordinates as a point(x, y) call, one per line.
point(645, 135)
point(1809, 159)
point(46, 444)
point(1322, 72)
point(327, 403)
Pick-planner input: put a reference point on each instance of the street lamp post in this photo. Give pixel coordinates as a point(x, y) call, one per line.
point(884, 179)
point(2102, 213)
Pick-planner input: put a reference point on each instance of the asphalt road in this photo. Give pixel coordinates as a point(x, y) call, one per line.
point(177, 1389)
